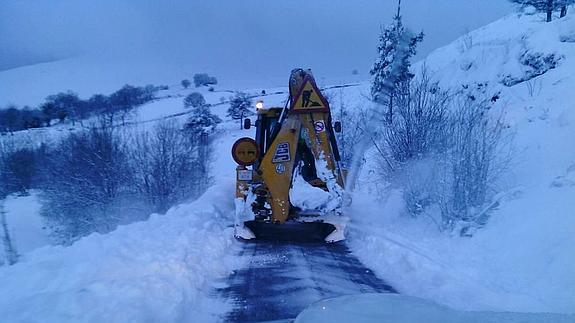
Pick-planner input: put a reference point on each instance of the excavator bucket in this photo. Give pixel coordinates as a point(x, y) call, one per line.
point(298, 138)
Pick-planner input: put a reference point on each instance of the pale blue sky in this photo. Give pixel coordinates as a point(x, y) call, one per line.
point(334, 34)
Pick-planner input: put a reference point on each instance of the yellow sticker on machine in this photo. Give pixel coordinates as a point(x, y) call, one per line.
point(309, 99)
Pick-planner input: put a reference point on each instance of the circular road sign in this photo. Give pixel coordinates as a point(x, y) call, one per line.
point(245, 151)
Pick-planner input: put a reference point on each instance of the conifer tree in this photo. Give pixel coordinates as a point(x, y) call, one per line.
point(391, 69)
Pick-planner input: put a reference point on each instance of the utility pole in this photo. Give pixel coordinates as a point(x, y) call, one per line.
point(9, 249)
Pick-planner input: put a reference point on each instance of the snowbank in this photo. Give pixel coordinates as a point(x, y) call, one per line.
point(382, 308)
point(523, 259)
point(24, 222)
point(160, 270)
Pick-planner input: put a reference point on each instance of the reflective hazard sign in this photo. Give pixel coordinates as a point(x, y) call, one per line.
point(309, 99)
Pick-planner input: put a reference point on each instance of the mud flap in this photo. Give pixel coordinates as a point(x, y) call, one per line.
point(292, 231)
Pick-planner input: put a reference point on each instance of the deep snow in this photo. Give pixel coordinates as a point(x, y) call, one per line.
point(523, 259)
point(24, 222)
point(391, 308)
point(164, 269)
point(159, 270)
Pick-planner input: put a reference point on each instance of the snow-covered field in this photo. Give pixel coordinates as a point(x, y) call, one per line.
point(25, 224)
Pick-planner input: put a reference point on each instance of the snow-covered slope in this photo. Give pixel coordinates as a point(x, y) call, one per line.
point(160, 270)
point(24, 222)
point(523, 259)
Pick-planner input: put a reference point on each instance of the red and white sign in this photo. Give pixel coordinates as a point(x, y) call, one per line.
point(319, 126)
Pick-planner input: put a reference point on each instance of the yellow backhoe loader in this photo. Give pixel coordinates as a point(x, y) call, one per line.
point(298, 138)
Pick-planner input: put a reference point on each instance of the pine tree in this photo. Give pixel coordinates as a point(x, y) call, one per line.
point(240, 107)
point(396, 47)
point(201, 120)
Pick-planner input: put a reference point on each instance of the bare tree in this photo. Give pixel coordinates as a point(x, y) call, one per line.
point(166, 165)
point(474, 159)
point(417, 128)
point(85, 178)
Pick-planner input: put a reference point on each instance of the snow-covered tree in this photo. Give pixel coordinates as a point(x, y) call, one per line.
point(194, 100)
point(547, 6)
point(201, 121)
point(391, 69)
point(67, 105)
point(204, 79)
point(240, 106)
point(562, 5)
point(186, 83)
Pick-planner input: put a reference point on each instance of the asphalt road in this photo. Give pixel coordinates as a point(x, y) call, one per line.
point(284, 278)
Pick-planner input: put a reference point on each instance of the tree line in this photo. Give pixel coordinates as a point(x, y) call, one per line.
point(68, 106)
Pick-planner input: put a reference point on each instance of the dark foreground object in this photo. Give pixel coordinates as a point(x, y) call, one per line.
point(284, 278)
point(291, 231)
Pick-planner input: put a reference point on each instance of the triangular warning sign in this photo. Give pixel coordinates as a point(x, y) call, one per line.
point(309, 99)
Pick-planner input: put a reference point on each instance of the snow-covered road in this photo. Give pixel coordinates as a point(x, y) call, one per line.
point(282, 279)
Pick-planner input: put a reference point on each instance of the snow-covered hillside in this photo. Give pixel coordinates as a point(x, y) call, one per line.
point(523, 259)
point(25, 225)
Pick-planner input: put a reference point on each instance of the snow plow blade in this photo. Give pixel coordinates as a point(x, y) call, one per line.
point(291, 231)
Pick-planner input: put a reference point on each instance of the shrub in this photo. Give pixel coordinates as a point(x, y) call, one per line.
point(445, 151)
point(194, 100)
point(418, 124)
point(167, 166)
point(86, 178)
point(204, 79)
